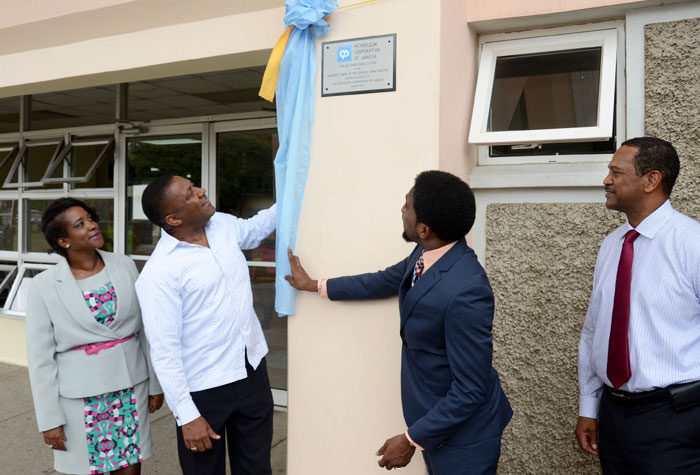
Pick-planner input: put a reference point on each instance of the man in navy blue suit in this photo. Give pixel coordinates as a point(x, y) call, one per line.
point(453, 403)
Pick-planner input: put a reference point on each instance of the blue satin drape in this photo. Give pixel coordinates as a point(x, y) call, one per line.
point(295, 115)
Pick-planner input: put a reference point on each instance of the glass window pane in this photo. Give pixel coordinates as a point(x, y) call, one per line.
point(35, 239)
point(274, 327)
point(19, 302)
point(8, 269)
point(105, 211)
point(36, 160)
point(9, 115)
point(246, 179)
point(82, 158)
point(149, 158)
point(8, 225)
point(74, 108)
point(7, 155)
point(221, 92)
point(546, 90)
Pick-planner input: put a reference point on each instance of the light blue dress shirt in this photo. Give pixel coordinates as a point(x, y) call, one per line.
point(664, 328)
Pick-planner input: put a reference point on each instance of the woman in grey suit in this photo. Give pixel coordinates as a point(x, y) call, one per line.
point(89, 367)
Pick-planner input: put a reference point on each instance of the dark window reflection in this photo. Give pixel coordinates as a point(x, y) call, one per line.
point(246, 181)
point(9, 115)
point(147, 159)
point(36, 160)
point(546, 90)
point(83, 157)
point(8, 225)
point(8, 153)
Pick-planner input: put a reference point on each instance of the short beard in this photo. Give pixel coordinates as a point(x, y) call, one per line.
point(406, 238)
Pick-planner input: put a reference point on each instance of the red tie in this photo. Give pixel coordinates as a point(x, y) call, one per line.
point(619, 371)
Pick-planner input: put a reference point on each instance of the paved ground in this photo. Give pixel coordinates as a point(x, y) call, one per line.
point(22, 450)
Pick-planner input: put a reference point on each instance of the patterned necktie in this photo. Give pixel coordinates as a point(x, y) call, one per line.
point(619, 371)
point(417, 270)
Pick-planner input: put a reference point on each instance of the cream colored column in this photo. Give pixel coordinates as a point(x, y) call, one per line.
point(344, 358)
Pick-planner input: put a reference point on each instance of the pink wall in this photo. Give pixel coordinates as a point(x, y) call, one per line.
point(458, 67)
point(480, 10)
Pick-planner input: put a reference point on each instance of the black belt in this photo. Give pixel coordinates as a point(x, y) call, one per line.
point(638, 399)
point(682, 396)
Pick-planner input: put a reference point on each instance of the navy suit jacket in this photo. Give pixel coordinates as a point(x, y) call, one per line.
point(450, 392)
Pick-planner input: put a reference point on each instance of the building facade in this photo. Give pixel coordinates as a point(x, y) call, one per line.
point(525, 100)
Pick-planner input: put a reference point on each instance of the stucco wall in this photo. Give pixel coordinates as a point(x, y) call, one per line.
point(672, 101)
point(540, 259)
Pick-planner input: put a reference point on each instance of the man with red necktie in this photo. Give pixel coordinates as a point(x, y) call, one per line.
point(639, 354)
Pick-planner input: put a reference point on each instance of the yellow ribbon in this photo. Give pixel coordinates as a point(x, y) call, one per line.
point(269, 81)
point(357, 4)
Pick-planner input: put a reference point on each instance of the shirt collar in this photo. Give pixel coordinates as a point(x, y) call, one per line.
point(654, 222)
point(168, 243)
point(432, 256)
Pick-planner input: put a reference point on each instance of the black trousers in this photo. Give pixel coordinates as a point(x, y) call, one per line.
point(241, 413)
point(648, 439)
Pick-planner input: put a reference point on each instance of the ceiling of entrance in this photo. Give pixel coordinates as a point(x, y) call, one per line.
point(221, 92)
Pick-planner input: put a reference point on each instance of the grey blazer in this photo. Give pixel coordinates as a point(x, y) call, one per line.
point(58, 319)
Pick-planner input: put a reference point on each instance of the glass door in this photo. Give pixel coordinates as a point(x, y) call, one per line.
point(245, 184)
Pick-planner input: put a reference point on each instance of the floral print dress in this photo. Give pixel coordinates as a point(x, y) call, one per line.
point(111, 419)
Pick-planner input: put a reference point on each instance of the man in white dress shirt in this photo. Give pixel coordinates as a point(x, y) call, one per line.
point(207, 345)
point(639, 354)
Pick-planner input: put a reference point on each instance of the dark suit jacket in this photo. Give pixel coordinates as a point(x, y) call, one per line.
point(450, 392)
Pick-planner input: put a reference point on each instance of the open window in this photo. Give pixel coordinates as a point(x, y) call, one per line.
point(82, 156)
point(16, 302)
point(7, 153)
point(30, 162)
point(549, 94)
point(7, 272)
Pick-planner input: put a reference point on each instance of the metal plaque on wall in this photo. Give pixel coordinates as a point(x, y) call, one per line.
point(359, 65)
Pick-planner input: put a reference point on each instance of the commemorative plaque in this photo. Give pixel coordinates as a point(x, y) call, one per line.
point(358, 66)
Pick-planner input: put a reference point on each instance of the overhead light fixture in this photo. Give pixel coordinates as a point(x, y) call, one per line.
point(172, 141)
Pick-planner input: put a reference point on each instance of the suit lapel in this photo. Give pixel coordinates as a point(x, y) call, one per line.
point(428, 280)
point(73, 300)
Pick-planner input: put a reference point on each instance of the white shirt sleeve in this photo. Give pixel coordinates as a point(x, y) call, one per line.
point(161, 308)
point(251, 232)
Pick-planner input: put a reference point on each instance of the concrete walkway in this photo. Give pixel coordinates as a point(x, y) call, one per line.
point(22, 450)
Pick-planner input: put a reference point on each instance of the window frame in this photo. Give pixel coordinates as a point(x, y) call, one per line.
point(19, 160)
point(608, 35)
point(62, 158)
point(11, 271)
point(23, 267)
point(13, 148)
